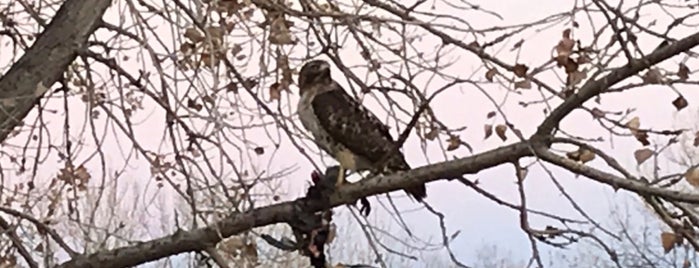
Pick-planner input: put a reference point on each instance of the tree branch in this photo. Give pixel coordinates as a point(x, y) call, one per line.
point(201, 238)
point(593, 88)
point(46, 60)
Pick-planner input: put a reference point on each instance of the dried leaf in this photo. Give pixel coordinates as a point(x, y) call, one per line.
point(454, 142)
point(488, 128)
point(680, 103)
point(565, 46)
point(576, 77)
point(683, 72)
point(193, 35)
point(490, 74)
point(500, 130)
point(520, 70)
point(279, 33)
point(523, 84)
point(275, 92)
point(597, 113)
point(490, 114)
point(250, 252)
point(434, 132)
point(232, 87)
point(259, 150)
point(634, 123)
point(237, 48)
point(653, 76)
point(581, 155)
point(642, 155)
point(668, 241)
point(692, 176)
point(696, 139)
point(191, 103)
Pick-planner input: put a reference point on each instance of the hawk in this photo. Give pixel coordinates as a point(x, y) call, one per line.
point(344, 128)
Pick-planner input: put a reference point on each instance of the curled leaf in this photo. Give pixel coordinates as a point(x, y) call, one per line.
point(500, 130)
point(692, 176)
point(454, 143)
point(488, 129)
point(490, 74)
point(668, 241)
point(642, 155)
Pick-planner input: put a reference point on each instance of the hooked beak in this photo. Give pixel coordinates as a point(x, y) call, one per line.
point(324, 66)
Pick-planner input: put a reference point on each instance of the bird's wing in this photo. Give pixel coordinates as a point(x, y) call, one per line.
point(348, 122)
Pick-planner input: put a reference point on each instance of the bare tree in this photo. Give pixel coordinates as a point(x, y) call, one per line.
point(134, 131)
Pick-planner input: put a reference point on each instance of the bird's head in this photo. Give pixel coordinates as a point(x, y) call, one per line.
point(315, 71)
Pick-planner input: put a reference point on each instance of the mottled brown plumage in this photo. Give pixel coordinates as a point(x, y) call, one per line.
point(344, 128)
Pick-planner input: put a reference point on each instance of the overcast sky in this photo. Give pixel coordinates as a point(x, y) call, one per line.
point(479, 221)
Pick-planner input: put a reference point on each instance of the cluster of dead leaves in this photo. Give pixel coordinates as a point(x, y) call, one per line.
point(571, 60)
point(203, 48)
point(240, 249)
point(283, 83)
point(520, 70)
point(76, 177)
point(229, 7)
point(279, 26)
point(655, 76)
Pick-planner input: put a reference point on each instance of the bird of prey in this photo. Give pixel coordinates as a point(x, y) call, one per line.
point(344, 128)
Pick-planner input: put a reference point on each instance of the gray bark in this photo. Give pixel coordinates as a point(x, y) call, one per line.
point(46, 60)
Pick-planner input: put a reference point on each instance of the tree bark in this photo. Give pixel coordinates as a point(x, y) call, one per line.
point(46, 60)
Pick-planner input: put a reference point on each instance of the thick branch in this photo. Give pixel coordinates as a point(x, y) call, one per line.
point(633, 185)
point(594, 87)
point(199, 239)
point(44, 62)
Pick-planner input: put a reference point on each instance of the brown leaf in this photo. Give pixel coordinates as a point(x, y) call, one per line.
point(275, 92)
point(259, 150)
point(520, 70)
point(597, 113)
point(634, 123)
point(193, 35)
point(433, 134)
point(581, 155)
point(523, 84)
point(683, 72)
point(586, 156)
point(500, 130)
point(668, 241)
point(191, 103)
point(696, 139)
point(454, 142)
point(642, 155)
point(232, 87)
point(490, 74)
point(209, 60)
point(237, 48)
point(692, 176)
point(576, 77)
point(250, 252)
point(565, 46)
point(653, 76)
point(680, 103)
point(490, 114)
point(488, 128)
point(279, 33)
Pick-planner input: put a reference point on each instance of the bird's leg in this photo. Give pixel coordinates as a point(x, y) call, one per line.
point(340, 177)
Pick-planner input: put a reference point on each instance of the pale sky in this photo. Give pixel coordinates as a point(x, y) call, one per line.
point(479, 221)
